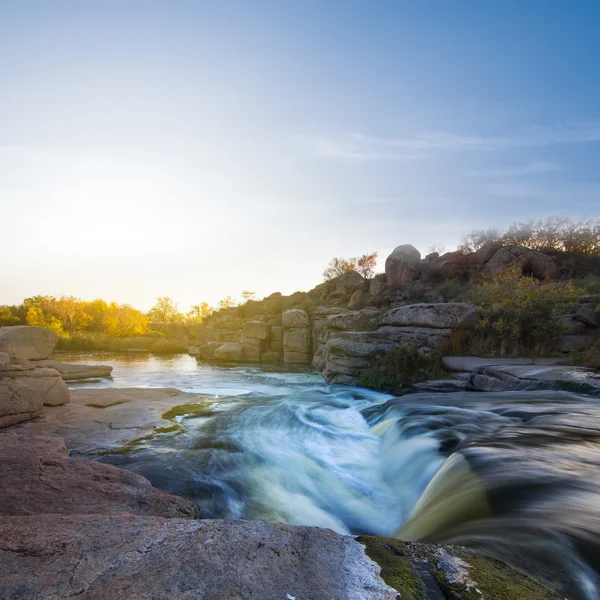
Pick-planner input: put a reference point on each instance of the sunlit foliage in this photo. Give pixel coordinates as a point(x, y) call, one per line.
point(365, 265)
point(165, 311)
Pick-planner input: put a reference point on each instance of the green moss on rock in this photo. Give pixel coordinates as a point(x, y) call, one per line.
point(495, 580)
point(188, 410)
point(396, 567)
point(415, 570)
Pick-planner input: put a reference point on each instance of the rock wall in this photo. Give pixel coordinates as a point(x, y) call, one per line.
point(348, 343)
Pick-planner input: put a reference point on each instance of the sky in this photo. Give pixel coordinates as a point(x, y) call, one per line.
point(196, 149)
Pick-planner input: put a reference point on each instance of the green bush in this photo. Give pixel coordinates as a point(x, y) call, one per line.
point(400, 367)
point(518, 314)
point(453, 290)
point(590, 283)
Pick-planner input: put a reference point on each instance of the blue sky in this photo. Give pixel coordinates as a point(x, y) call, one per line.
point(195, 149)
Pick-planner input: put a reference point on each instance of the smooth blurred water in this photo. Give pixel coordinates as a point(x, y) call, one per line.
point(515, 473)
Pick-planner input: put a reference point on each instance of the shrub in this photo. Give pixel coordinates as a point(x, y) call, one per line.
point(402, 366)
point(590, 283)
point(453, 290)
point(519, 313)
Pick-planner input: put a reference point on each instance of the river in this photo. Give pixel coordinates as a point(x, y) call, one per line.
point(514, 473)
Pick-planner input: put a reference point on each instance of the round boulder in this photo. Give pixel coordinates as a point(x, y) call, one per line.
point(22, 341)
point(402, 265)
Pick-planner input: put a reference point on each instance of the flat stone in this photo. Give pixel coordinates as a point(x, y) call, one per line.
point(104, 557)
point(473, 363)
point(107, 419)
point(73, 372)
point(446, 315)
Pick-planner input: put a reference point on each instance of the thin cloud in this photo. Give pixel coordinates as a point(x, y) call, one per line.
point(358, 146)
point(533, 168)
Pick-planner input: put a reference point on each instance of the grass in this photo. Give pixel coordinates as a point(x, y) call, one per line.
point(102, 342)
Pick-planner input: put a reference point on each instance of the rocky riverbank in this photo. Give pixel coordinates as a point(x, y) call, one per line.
point(73, 527)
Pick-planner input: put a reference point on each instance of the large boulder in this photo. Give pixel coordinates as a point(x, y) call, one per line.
point(448, 315)
point(229, 351)
point(402, 266)
point(47, 383)
point(18, 402)
point(22, 341)
point(529, 262)
point(37, 476)
point(256, 329)
point(296, 336)
point(294, 318)
point(588, 317)
point(104, 557)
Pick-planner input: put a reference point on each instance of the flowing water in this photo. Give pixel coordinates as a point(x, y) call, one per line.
point(514, 473)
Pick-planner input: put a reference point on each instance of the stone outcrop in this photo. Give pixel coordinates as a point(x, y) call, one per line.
point(123, 556)
point(38, 477)
point(22, 341)
point(448, 315)
point(407, 297)
point(296, 337)
point(580, 326)
point(25, 388)
point(18, 402)
point(401, 266)
point(47, 383)
point(515, 374)
point(347, 345)
point(528, 261)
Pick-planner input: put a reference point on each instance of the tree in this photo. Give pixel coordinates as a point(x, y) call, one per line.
point(71, 313)
point(246, 295)
point(96, 309)
point(198, 312)
point(553, 234)
point(227, 302)
point(124, 320)
point(365, 265)
point(165, 311)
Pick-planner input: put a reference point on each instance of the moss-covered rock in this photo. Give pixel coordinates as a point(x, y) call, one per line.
point(424, 571)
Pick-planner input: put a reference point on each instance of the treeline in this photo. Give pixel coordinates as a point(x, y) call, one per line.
point(552, 235)
point(70, 316)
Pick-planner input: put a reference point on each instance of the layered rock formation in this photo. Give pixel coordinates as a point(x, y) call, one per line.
point(341, 325)
point(347, 344)
point(29, 380)
point(26, 388)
